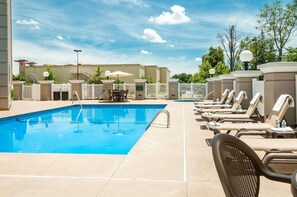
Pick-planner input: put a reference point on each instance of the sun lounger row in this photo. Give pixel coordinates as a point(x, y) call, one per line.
point(238, 166)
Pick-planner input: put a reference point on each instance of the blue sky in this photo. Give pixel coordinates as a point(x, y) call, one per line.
point(151, 32)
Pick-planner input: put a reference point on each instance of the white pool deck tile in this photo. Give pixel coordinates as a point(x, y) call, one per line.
point(172, 161)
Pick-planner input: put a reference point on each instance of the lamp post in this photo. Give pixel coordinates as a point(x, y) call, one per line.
point(246, 56)
point(212, 72)
point(77, 64)
point(45, 75)
point(256, 51)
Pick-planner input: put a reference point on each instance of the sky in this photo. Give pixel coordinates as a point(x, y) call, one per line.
point(172, 33)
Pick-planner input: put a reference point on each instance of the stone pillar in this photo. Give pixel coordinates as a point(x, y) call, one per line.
point(18, 90)
point(226, 82)
point(139, 89)
point(244, 82)
point(173, 89)
point(22, 64)
point(76, 85)
point(45, 90)
point(5, 54)
point(279, 78)
point(209, 89)
point(217, 88)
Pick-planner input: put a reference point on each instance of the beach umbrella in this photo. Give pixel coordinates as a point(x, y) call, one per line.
point(119, 74)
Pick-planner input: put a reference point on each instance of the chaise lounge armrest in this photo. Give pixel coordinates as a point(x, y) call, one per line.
point(279, 158)
point(237, 120)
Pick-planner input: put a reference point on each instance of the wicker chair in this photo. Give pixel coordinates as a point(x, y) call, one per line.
point(239, 168)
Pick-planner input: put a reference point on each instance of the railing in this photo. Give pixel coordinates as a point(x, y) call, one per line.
point(168, 117)
point(192, 90)
point(156, 91)
point(92, 91)
point(74, 93)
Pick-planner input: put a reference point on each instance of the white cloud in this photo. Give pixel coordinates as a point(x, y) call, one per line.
point(144, 52)
point(32, 23)
point(59, 37)
point(177, 16)
point(171, 45)
point(152, 36)
point(198, 59)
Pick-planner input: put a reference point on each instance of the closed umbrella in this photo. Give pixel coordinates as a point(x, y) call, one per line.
point(119, 74)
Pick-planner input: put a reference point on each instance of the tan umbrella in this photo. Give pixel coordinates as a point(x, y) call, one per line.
point(119, 74)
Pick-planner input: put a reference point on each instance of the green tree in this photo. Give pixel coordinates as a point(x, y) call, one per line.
point(96, 79)
point(214, 56)
point(278, 23)
point(183, 77)
point(221, 69)
point(262, 48)
point(203, 73)
point(290, 55)
point(51, 75)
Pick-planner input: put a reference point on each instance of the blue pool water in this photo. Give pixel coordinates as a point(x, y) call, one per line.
point(94, 129)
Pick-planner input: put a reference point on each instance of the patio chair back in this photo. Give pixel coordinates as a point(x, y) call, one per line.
point(230, 97)
point(225, 96)
point(238, 100)
point(279, 114)
point(254, 103)
point(239, 168)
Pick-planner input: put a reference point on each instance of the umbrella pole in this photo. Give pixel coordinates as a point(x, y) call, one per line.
point(118, 82)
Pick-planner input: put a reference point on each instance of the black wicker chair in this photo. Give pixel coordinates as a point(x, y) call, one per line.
point(239, 168)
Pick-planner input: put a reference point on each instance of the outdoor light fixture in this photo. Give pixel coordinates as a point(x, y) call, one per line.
point(107, 73)
point(45, 74)
point(212, 72)
point(77, 64)
point(246, 56)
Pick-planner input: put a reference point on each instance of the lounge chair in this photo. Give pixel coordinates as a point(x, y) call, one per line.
point(239, 168)
point(227, 103)
point(280, 108)
point(246, 116)
point(211, 102)
point(242, 95)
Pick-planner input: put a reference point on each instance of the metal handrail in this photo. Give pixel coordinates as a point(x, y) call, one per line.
point(168, 117)
point(76, 94)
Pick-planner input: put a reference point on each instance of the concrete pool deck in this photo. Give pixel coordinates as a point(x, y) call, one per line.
point(172, 161)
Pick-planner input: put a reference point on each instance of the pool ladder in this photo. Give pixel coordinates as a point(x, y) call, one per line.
point(168, 117)
point(74, 93)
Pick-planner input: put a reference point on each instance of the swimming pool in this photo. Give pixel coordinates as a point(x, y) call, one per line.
point(92, 129)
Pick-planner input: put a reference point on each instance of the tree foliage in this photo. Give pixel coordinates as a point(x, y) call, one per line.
point(96, 79)
point(262, 48)
point(51, 75)
point(290, 55)
point(203, 73)
point(221, 69)
point(183, 77)
point(230, 41)
point(214, 56)
point(278, 23)
point(19, 77)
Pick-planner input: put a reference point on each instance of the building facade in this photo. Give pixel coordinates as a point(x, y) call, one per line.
point(5, 54)
point(64, 73)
